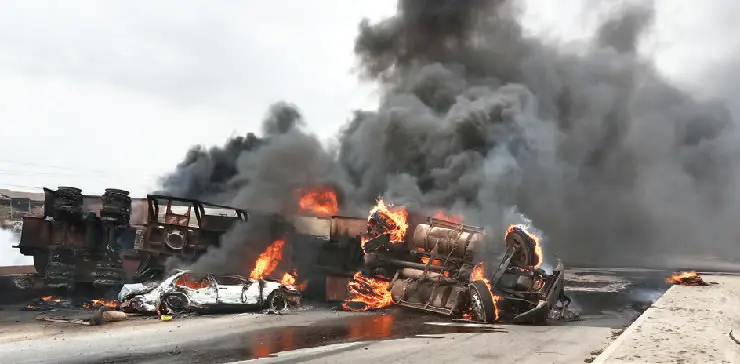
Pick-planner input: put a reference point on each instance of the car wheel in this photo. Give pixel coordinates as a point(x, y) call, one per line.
point(277, 301)
point(176, 302)
point(481, 303)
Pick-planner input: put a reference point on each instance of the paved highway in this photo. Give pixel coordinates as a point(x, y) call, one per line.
point(609, 300)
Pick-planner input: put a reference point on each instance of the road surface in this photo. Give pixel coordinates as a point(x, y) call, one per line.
point(608, 300)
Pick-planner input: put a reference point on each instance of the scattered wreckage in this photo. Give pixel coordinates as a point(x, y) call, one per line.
point(433, 269)
point(186, 291)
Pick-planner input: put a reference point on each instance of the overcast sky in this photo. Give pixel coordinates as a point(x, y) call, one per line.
point(109, 93)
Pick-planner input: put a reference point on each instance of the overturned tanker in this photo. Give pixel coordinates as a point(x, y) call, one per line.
point(89, 242)
point(433, 269)
point(74, 242)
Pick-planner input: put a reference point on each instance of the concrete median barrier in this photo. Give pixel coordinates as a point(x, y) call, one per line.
point(688, 324)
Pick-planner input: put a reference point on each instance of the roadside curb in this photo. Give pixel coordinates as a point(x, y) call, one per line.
point(601, 359)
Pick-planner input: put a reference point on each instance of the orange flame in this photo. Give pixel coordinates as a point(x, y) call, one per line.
point(51, 299)
point(535, 238)
point(690, 278)
point(451, 218)
point(479, 274)
point(393, 221)
point(101, 302)
point(290, 279)
point(321, 201)
point(369, 293)
point(268, 260)
point(187, 281)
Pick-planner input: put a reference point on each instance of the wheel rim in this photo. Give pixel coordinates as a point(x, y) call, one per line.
point(278, 303)
point(176, 303)
point(476, 305)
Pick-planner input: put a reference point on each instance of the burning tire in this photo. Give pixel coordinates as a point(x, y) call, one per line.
point(525, 255)
point(176, 302)
point(277, 301)
point(482, 306)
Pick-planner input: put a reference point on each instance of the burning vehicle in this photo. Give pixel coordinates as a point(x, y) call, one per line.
point(187, 291)
point(433, 269)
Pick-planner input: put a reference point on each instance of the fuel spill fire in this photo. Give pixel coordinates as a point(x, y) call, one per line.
point(479, 274)
point(367, 293)
point(321, 201)
point(690, 278)
point(535, 238)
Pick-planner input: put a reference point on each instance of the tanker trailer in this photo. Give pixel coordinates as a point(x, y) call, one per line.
point(433, 269)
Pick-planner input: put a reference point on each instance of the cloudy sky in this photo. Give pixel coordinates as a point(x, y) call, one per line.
point(112, 93)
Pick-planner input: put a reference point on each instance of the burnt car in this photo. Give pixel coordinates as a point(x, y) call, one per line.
point(433, 269)
point(187, 291)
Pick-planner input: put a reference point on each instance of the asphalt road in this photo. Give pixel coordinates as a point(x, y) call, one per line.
point(608, 300)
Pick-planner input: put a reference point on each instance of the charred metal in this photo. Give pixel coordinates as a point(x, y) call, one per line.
point(434, 270)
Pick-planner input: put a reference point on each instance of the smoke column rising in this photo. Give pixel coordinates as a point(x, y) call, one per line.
point(610, 160)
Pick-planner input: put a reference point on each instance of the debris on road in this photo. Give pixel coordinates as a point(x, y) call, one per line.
point(101, 316)
point(187, 291)
point(53, 302)
point(686, 279)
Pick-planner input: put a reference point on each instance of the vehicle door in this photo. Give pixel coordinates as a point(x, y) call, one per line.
point(229, 290)
point(252, 292)
point(200, 288)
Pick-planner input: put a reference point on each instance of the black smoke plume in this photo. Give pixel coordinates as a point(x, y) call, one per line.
point(612, 162)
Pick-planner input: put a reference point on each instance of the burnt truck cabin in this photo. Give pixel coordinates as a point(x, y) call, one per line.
point(180, 227)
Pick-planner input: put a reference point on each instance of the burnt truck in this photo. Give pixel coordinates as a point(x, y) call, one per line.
point(433, 269)
point(84, 241)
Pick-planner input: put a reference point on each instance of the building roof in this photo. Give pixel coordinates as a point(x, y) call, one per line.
point(34, 196)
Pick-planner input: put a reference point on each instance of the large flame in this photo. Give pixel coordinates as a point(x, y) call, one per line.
point(268, 260)
point(479, 274)
point(535, 238)
point(320, 201)
point(367, 293)
point(451, 218)
point(387, 219)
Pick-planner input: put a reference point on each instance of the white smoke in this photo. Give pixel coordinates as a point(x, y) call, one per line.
point(10, 256)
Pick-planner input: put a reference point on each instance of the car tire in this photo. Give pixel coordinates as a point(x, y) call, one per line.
point(481, 302)
point(175, 302)
point(277, 301)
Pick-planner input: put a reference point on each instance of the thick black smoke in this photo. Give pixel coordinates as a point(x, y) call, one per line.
point(610, 160)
